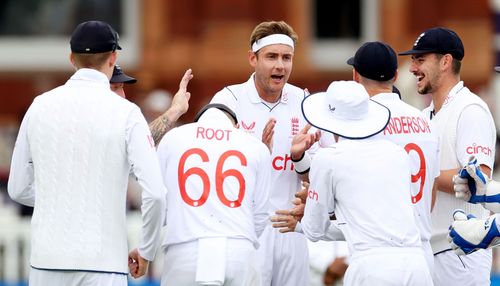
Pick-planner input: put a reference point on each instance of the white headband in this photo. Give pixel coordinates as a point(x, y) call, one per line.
point(272, 40)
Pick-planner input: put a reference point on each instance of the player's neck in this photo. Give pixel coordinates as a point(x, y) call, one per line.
point(441, 93)
point(267, 96)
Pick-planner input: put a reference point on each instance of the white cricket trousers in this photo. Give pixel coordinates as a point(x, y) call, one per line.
point(179, 264)
point(462, 270)
point(40, 277)
point(429, 256)
point(283, 258)
point(388, 266)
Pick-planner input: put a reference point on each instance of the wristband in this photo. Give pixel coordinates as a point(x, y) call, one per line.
point(303, 164)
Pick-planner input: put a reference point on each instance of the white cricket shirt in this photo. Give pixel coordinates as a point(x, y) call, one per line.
point(466, 128)
point(410, 129)
point(73, 155)
point(367, 184)
point(253, 114)
point(218, 181)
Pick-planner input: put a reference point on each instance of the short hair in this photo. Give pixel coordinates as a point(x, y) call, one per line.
point(265, 29)
point(456, 64)
point(91, 60)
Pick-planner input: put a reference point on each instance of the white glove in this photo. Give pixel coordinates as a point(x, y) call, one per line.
point(470, 183)
point(473, 186)
point(468, 234)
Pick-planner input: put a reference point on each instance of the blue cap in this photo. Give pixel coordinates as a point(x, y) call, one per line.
point(120, 76)
point(94, 37)
point(438, 40)
point(375, 60)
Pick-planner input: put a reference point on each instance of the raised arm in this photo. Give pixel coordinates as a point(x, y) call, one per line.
point(179, 106)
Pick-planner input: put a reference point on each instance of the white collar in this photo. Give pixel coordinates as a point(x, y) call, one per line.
point(254, 95)
point(92, 75)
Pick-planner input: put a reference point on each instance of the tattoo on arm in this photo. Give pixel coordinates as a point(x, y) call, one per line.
point(159, 127)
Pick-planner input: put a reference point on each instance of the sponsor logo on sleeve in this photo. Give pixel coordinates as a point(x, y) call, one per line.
point(478, 149)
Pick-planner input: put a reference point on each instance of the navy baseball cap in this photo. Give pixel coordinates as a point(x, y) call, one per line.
point(375, 60)
point(120, 76)
point(94, 37)
point(438, 40)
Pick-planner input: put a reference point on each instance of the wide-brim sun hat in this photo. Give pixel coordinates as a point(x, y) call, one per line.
point(345, 109)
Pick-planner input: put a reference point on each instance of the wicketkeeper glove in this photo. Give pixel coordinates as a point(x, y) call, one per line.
point(472, 185)
point(468, 234)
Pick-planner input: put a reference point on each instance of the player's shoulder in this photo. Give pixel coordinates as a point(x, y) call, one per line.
point(234, 91)
point(294, 91)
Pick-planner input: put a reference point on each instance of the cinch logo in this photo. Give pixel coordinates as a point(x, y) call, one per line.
point(283, 163)
point(248, 128)
point(313, 195)
point(476, 149)
point(295, 125)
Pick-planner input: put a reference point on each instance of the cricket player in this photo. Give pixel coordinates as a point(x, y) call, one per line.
point(375, 67)
point(75, 149)
point(218, 206)
point(436, 59)
point(365, 180)
point(268, 108)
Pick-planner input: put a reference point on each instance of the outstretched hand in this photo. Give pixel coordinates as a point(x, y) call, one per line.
point(268, 134)
point(180, 102)
point(302, 141)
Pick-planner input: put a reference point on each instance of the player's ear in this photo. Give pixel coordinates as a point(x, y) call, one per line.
point(72, 60)
point(252, 58)
point(112, 59)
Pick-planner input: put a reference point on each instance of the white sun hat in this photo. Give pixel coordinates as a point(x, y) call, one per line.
point(345, 109)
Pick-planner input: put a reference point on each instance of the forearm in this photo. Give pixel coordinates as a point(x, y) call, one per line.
point(445, 181)
point(161, 125)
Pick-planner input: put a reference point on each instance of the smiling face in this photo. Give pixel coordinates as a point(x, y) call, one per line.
point(273, 65)
point(426, 68)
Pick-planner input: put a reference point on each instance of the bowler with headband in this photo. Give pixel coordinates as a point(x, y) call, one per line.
point(268, 107)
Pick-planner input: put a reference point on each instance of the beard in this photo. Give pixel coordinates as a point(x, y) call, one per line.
point(427, 88)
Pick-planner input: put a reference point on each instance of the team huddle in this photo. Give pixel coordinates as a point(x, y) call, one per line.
point(263, 168)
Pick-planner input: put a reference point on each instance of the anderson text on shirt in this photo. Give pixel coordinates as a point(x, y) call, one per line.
point(407, 124)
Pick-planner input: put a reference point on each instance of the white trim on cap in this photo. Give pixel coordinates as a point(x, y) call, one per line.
point(272, 40)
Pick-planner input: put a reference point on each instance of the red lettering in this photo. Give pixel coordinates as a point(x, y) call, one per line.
point(404, 124)
point(275, 163)
point(397, 125)
point(283, 163)
point(313, 195)
point(389, 129)
point(210, 133)
point(407, 124)
point(199, 132)
point(475, 149)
